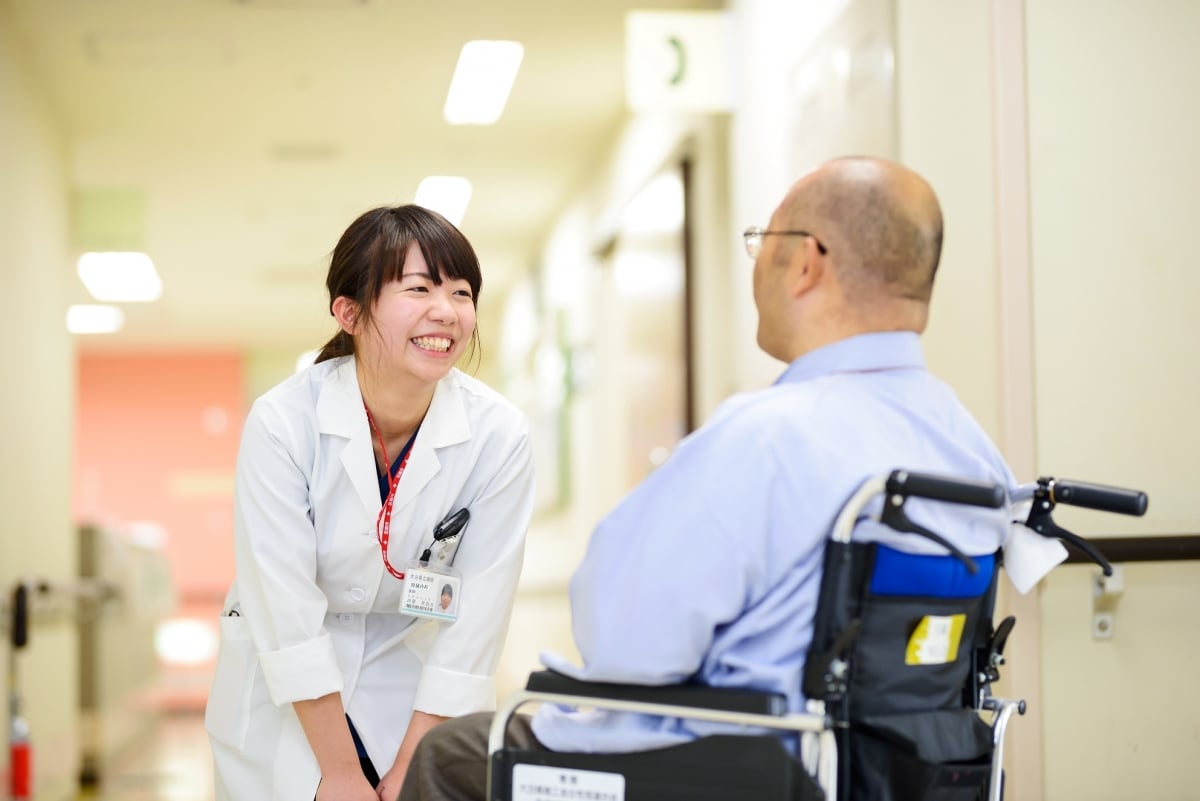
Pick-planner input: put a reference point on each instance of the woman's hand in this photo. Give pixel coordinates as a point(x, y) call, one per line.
point(390, 784)
point(328, 733)
point(349, 787)
point(393, 780)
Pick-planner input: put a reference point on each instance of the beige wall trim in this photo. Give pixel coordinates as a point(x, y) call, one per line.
point(1025, 779)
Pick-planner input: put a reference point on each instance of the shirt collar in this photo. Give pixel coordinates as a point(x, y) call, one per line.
point(863, 353)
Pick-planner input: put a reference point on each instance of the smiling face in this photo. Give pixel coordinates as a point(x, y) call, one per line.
point(418, 327)
point(378, 257)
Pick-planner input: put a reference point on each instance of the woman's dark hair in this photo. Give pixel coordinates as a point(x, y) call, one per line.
point(371, 253)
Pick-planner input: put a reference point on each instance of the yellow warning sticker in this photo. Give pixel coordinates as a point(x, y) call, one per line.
point(935, 640)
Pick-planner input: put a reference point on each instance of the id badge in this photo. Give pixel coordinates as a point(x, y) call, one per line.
point(431, 591)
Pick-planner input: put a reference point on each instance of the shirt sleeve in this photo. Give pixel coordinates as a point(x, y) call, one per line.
point(275, 554)
point(459, 671)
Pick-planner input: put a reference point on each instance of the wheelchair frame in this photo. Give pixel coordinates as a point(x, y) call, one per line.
point(816, 727)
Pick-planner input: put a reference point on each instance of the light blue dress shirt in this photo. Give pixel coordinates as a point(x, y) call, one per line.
point(710, 568)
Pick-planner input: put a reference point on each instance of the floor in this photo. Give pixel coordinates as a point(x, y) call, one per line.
point(173, 763)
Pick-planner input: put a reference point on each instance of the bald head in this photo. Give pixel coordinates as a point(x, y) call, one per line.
point(881, 223)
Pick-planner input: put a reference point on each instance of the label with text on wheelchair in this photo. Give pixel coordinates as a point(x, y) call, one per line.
point(544, 783)
point(935, 640)
point(431, 592)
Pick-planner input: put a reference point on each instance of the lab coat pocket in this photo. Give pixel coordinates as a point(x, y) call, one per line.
point(227, 715)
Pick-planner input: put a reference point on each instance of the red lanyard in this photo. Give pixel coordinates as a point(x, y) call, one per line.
point(383, 524)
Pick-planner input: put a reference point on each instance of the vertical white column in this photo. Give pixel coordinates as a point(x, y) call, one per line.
point(1023, 674)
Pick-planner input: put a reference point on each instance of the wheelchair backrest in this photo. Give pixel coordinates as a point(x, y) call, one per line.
point(897, 632)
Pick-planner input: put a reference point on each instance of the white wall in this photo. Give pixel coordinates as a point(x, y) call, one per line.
point(1114, 117)
point(945, 121)
point(37, 407)
point(1114, 120)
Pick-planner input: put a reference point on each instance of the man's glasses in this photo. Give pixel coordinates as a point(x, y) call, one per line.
point(754, 237)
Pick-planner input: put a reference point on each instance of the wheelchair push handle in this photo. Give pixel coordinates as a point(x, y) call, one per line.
point(1099, 497)
point(1049, 492)
point(941, 488)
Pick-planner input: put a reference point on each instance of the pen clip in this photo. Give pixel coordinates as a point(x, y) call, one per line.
point(451, 525)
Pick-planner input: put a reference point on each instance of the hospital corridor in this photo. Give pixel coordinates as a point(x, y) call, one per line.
point(173, 763)
point(586, 201)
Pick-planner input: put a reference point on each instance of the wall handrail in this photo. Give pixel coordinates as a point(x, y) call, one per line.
point(1159, 548)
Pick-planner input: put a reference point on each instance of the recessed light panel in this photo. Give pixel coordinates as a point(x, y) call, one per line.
point(482, 81)
point(119, 277)
point(448, 195)
point(91, 319)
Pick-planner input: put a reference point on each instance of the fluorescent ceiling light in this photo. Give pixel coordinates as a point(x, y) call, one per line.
point(119, 277)
point(448, 195)
point(87, 319)
point(482, 80)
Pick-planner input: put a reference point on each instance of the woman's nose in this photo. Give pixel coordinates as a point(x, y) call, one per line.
point(443, 310)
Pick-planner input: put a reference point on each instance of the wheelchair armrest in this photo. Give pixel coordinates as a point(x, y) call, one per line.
point(697, 696)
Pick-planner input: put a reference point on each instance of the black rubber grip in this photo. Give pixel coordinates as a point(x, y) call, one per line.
point(944, 488)
point(1099, 497)
point(20, 616)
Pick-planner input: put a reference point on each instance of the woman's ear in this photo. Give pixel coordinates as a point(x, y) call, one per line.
point(345, 311)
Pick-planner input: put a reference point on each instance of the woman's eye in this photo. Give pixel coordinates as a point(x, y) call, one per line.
point(418, 288)
point(466, 293)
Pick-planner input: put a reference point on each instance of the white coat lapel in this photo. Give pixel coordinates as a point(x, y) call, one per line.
point(445, 424)
point(340, 412)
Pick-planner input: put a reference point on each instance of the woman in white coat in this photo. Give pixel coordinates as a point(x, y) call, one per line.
point(323, 686)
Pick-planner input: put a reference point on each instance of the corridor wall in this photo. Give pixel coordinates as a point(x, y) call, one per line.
point(36, 534)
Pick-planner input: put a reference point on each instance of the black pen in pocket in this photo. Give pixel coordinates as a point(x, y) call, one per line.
point(445, 533)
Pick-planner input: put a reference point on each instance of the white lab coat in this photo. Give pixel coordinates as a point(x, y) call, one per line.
point(317, 611)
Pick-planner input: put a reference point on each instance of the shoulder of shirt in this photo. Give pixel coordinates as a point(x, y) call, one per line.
point(800, 407)
point(748, 420)
point(490, 413)
point(745, 408)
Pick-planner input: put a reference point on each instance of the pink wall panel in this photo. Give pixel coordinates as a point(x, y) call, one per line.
point(156, 441)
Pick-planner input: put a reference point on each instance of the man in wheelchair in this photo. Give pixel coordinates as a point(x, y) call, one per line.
point(709, 571)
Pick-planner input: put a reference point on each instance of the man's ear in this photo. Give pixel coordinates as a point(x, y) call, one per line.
point(807, 268)
point(345, 311)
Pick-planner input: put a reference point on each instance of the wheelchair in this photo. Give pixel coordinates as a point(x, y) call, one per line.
point(897, 678)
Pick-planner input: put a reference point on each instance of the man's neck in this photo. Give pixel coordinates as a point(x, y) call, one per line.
point(835, 328)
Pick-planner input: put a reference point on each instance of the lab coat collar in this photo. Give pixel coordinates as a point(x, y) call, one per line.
point(340, 413)
point(445, 424)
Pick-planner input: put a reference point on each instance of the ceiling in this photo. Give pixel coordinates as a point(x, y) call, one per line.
point(236, 139)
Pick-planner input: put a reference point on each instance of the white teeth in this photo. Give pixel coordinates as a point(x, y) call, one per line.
point(440, 344)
